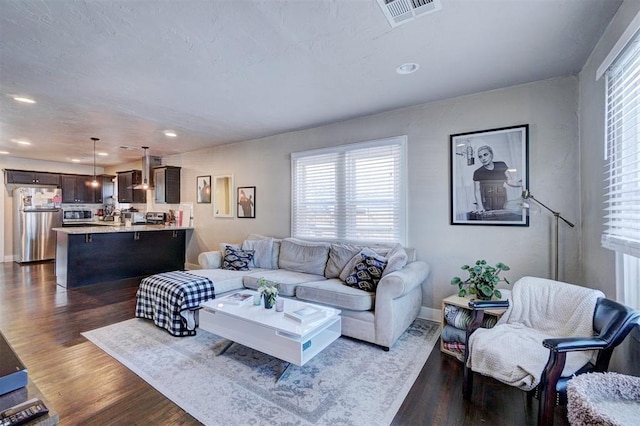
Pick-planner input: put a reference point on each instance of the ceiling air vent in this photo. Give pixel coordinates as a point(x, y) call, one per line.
point(400, 12)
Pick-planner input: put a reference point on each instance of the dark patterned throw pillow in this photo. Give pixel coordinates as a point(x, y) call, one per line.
point(366, 273)
point(236, 259)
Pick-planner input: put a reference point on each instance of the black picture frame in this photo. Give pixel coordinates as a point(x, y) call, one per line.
point(203, 189)
point(491, 193)
point(246, 204)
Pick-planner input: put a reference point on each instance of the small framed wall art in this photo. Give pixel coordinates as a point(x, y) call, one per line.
point(489, 170)
point(203, 189)
point(246, 202)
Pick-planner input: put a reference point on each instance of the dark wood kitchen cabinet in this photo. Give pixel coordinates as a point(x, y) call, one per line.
point(126, 193)
point(77, 189)
point(105, 191)
point(167, 184)
point(28, 177)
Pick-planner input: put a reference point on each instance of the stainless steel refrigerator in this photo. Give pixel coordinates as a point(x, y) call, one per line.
point(36, 212)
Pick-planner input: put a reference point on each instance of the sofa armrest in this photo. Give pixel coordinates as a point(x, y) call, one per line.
point(399, 283)
point(210, 259)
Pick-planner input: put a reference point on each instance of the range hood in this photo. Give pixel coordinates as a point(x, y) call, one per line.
point(148, 164)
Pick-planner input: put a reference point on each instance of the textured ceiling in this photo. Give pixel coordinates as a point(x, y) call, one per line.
point(220, 71)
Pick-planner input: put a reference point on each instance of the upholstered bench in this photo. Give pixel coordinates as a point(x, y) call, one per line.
point(172, 299)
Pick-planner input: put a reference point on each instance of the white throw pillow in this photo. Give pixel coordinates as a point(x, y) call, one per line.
point(396, 259)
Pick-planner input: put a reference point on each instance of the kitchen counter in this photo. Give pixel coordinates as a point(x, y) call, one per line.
point(104, 228)
point(100, 254)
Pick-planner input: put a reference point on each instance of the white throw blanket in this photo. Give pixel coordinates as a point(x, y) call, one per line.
point(512, 351)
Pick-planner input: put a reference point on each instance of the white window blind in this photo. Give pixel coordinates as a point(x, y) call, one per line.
point(622, 152)
point(352, 192)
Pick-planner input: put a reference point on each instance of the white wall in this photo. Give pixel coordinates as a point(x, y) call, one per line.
point(549, 107)
point(598, 265)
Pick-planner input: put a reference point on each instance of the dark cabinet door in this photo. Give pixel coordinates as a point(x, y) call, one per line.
point(48, 178)
point(30, 177)
point(77, 189)
point(126, 182)
point(103, 194)
point(125, 194)
point(167, 184)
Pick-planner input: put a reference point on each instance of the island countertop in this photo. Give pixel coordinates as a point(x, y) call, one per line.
point(107, 229)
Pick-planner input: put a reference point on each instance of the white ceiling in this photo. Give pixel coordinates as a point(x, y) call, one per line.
point(220, 71)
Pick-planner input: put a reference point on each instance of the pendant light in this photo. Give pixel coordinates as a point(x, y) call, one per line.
point(95, 180)
point(145, 169)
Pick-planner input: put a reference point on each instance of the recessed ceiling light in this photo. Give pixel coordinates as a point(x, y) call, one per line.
point(103, 154)
point(4, 152)
point(21, 141)
point(75, 160)
point(23, 99)
point(408, 68)
point(170, 133)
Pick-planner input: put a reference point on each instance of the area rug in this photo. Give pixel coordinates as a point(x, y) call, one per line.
point(349, 383)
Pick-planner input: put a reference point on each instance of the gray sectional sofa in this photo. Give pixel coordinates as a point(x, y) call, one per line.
point(316, 272)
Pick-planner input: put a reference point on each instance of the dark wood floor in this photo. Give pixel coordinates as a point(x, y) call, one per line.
point(86, 386)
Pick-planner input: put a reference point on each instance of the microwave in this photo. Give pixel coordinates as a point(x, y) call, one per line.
point(77, 216)
point(134, 217)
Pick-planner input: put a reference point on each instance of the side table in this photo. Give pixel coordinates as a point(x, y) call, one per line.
point(24, 394)
point(463, 302)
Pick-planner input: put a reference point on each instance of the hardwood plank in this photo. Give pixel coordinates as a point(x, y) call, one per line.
point(43, 322)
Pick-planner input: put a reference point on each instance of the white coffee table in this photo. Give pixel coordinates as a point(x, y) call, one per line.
point(269, 331)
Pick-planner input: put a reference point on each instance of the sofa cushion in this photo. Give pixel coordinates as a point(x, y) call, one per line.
point(339, 256)
point(334, 293)
point(303, 256)
point(366, 273)
point(223, 280)
point(286, 280)
point(236, 259)
point(262, 252)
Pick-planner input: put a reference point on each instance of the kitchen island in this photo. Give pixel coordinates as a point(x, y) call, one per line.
point(97, 254)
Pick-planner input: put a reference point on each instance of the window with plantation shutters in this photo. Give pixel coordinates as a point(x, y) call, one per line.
point(622, 174)
point(352, 192)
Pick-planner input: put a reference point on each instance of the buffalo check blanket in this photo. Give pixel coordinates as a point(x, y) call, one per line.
point(163, 297)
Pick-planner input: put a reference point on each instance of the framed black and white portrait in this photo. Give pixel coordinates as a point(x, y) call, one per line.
point(489, 170)
point(246, 202)
point(203, 188)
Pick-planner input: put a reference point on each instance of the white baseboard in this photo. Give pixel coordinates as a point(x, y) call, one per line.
point(10, 258)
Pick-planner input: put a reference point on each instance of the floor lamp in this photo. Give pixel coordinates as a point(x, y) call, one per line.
point(528, 196)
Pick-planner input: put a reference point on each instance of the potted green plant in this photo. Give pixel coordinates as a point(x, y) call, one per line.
point(269, 292)
point(483, 279)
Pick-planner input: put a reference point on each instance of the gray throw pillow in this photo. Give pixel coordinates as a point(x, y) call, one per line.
point(396, 259)
point(339, 256)
point(262, 252)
